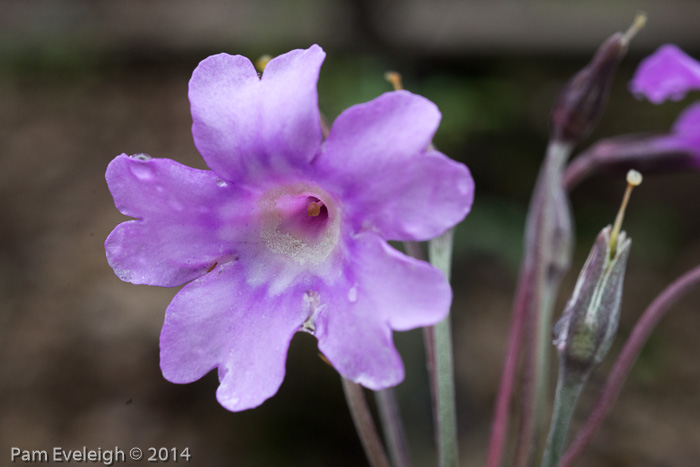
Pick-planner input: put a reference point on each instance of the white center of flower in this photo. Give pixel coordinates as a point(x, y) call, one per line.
point(300, 222)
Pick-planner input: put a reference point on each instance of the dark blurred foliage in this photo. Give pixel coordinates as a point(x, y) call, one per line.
point(81, 82)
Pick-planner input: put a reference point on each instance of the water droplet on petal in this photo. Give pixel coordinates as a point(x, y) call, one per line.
point(221, 183)
point(141, 156)
point(352, 294)
point(142, 171)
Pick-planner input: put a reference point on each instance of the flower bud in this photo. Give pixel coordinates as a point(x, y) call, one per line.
point(583, 100)
point(589, 323)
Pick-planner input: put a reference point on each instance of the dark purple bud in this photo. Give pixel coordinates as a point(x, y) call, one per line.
point(583, 100)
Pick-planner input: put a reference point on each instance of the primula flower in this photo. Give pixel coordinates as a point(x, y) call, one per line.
point(669, 73)
point(288, 232)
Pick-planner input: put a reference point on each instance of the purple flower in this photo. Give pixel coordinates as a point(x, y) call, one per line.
point(288, 232)
point(666, 74)
point(669, 73)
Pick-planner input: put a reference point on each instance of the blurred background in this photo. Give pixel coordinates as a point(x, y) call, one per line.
point(82, 81)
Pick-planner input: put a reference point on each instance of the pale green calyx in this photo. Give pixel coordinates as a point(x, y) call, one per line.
point(588, 325)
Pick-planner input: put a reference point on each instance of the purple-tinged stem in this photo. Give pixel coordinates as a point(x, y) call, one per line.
point(578, 170)
point(364, 424)
point(548, 241)
point(646, 324)
point(546, 258)
point(393, 428)
point(414, 249)
point(648, 154)
point(499, 425)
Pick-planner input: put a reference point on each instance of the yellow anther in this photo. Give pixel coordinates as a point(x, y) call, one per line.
point(262, 62)
point(394, 78)
point(634, 179)
point(313, 209)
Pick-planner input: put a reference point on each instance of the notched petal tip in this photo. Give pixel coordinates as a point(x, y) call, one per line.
point(176, 234)
point(667, 74)
point(300, 60)
point(247, 127)
point(220, 321)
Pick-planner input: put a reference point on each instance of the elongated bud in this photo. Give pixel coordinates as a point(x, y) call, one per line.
point(583, 100)
point(589, 323)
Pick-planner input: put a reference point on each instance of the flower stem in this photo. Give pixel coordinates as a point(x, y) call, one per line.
point(548, 255)
point(439, 338)
point(393, 428)
point(568, 390)
point(580, 169)
point(364, 424)
point(646, 324)
point(548, 241)
point(499, 424)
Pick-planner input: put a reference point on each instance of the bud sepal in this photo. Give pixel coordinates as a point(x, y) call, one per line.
point(585, 332)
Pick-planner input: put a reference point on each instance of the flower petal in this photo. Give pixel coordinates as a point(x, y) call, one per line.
point(683, 143)
point(357, 342)
point(376, 158)
point(414, 293)
point(383, 290)
point(190, 221)
point(220, 321)
point(669, 73)
point(247, 127)
point(688, 122)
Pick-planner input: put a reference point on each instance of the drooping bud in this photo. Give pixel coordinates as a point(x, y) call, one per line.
point(583, 100)
point(585, 332)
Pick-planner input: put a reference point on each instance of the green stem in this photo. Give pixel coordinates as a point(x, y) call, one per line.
point(440, 253)
point(548, 254)
point(364, 424)
point(543, 345)
point(568, 391)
